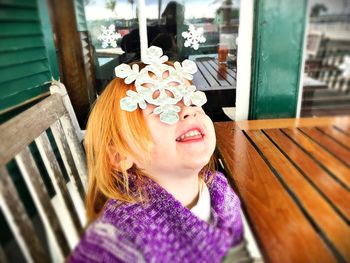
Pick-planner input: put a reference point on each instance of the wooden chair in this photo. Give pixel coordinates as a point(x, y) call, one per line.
point(62, 216)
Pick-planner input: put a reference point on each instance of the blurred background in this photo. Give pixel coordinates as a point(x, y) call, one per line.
point(267, 59)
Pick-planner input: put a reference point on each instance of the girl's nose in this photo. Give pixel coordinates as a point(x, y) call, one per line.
point(187, 111)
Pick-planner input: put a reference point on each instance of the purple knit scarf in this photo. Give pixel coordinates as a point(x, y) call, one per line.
point(162, 230)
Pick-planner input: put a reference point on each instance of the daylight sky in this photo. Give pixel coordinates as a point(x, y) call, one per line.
point(193, 9)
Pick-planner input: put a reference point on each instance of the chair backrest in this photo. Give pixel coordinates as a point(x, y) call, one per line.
point(47, 127)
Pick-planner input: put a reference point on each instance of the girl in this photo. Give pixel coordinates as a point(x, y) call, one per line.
point(153, 194)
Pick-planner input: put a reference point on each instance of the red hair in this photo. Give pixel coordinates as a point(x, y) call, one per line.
point(110, 127)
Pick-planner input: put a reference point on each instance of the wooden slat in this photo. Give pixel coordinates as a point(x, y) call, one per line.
point(333, 165)
point(269, 208)
point(343, 121)
point(41, 198)
point(19, 221)
point(344, 128)
point(319, 211)
point(332, 146)
point(75, 147)
point(67, 158)
point(24, 70)
point(57, 179)
point(230, 71)
point(212, 81)
point(228, 77)
point(321, 179)
point(215, 73)
point(199, 81)
point(25, 127)
point(337, 135)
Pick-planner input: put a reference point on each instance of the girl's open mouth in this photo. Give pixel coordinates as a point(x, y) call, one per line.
point(191, 135)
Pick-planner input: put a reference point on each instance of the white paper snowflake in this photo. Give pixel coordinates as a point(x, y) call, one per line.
point(169, 88)
point(109, 36)
point(193, 37)
point(345, 67)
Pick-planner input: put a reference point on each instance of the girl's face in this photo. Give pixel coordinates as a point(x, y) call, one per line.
point(184, 146)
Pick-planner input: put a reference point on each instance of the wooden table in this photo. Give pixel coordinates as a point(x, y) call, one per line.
point(212, 75)
point(218, 81)
point(293, 178)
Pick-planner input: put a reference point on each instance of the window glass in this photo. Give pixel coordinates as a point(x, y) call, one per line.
point(204, 31)
point(326, 84)
point(108, 21)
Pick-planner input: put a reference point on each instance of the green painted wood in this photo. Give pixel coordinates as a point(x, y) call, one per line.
point(12, 13)
point(23, 70)
point(48, 38)
point(21, 42)
point(10, 89)
point(27, 53)
point(19, 28)
point(277, 57)
point(22, 56)
point(80, 15)
point(19, 3)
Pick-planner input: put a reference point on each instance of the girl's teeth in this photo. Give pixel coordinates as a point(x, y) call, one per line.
point(190, 134)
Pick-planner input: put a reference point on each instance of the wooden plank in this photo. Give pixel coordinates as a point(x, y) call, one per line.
point(314, 172)
point(73, 73)
point(269, 208)
point(18, 220)
point(216, 67)
point(336, 135)
point(41, 198)
point(343, 127)
point(325, 159)
point(212, 81)
point(292, 122)
point(67, 158)
point(75, 147)
point(216, 74)
point(332, 227)
point(327, 143)
point(25, 127)
point(230, 71)
point(199, 81)
point(57, 179)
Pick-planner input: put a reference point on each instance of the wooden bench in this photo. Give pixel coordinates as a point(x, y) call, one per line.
point(293, 179)
point(62, 215)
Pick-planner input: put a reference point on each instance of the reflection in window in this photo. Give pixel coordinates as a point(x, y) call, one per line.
point(203, 31)
point(327, 65)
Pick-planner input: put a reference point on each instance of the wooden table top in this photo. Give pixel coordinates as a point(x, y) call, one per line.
point(214, 76)
point(293, 178)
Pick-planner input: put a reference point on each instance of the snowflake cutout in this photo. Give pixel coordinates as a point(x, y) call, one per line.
point(186, 70)
point(133, 99)
point(191, 96)
point(108, 36)
point(193, 37)
point(168, 113)
point(125, 71)
point(161, 85)
point(345, 67)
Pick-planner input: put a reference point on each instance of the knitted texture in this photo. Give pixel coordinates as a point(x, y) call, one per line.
point(163, 230)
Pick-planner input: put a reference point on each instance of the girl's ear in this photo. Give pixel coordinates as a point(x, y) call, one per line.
point(118, 162)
